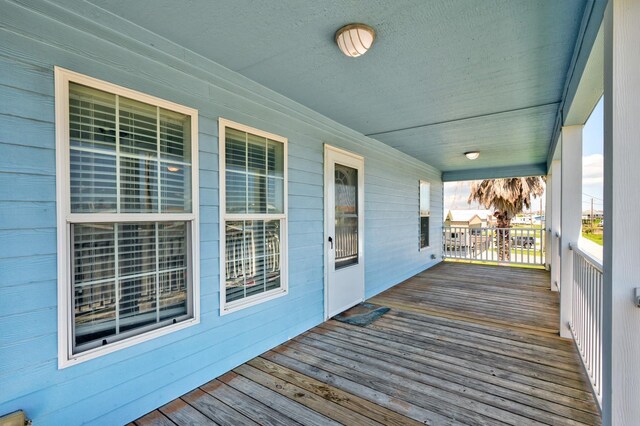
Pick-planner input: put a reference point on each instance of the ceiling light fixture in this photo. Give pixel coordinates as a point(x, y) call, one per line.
point(472, 155)
point(173, 169)
point(355, 39)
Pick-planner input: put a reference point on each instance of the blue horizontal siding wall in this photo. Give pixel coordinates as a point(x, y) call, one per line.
point(116, 388)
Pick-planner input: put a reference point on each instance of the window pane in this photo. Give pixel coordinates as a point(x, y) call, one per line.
point(424, 231)
point(138, 128)
point(175, 181)
point(272, 254)
point(150, 284)
point(93, 282)
point(92, 182)
point(172, 252)
point(275, 195)
point(256, 154)
point(256, 194)
point(137, 304)
point(175, 136)
point(138, 185)
point(136, 248)
point(92, 118)
point(275, 180)
point(252, 257)
point(425, 188)
point(236, 192)
point(275, 159)
point(346, 216)
point(173, 294)
point(235, 150)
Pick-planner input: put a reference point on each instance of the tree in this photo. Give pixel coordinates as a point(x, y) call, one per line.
point(508, 197)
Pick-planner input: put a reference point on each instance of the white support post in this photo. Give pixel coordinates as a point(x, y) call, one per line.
point(554, 222)
point(570, 217)
point(621, 318)
point(547, 223)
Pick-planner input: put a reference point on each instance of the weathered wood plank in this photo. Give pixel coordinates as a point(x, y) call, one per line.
point(216, 410)
point(290, 408)
point(462, 344)
point(524, 401)
point(458, 360)
point(182, 413)
point(154, 418)
point(447, 396)
point(363, 389)
point(406, 390)
point(309, 399)
point(251, 408)
point(351, 401)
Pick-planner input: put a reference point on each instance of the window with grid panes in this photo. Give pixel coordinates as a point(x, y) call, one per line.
point(129, 213)
point(425, 212)
point(254, 215)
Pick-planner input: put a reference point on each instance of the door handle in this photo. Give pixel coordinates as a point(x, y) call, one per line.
point(331, 242)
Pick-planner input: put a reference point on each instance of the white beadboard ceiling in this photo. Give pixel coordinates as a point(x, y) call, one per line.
point(443, 76)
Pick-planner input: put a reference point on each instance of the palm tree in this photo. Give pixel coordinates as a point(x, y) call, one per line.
point(508, 197)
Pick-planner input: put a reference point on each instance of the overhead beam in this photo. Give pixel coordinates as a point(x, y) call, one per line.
point(455, 120)
point(591, 21)
point(539, 169)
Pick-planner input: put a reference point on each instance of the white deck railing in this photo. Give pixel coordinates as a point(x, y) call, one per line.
point(524, 246)
point(586, 318)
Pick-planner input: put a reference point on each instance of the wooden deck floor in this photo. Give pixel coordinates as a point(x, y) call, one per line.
point(462, 344)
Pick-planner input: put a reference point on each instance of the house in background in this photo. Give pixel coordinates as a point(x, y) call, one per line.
point(184, 186)
point(470, 218)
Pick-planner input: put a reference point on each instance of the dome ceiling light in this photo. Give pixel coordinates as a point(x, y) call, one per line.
point(355, 39)
point(472, 155)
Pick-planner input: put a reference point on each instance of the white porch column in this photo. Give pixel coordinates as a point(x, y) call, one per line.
point(555, 190)
point(547, 223)
point(621, 328)
point(570, 216)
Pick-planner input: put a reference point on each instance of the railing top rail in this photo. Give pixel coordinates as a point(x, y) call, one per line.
point(534, 228)
point(589, 258)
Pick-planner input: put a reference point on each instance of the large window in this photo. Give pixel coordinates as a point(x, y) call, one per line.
point(425, 213)
point(254, 215)
point(127, 196)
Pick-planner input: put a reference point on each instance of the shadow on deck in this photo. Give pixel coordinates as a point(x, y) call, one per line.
point(462, 344)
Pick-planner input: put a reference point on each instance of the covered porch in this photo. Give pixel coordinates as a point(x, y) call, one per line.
point(462, 344)
point(168, 208)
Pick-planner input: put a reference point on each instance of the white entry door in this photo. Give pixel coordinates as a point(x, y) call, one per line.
point(344, 230)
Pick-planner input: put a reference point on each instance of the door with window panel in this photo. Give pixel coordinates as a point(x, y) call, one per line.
point(344, 205)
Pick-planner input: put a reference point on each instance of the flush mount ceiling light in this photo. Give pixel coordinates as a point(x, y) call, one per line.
point(472, 155)
point(355, 39)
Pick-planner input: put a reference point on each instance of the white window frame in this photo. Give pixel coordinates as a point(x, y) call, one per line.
point(420, 215)
point(65, 218)
point(229, 307)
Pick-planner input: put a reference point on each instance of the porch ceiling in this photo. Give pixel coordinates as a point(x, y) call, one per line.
point(442, 78)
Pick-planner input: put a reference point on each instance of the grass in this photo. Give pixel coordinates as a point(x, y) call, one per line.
point(596, 238)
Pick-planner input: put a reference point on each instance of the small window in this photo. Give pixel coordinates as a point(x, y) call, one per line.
point(254, 215)
point(425, 212)
point(127, 216)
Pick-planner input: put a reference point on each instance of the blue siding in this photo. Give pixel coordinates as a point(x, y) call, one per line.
point(119, 387)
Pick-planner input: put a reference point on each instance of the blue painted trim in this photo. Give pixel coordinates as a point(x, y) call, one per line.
point(591, 21)
point(496, 173)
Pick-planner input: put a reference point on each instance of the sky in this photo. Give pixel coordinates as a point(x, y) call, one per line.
point(457, 193)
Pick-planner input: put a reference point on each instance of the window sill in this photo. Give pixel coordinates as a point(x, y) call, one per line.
point(228, 308)
point(64, 362)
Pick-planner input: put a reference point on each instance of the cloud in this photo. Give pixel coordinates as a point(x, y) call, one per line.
point(592, 169)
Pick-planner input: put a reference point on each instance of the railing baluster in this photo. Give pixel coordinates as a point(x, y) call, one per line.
point(586, 318)
point(485, 245)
